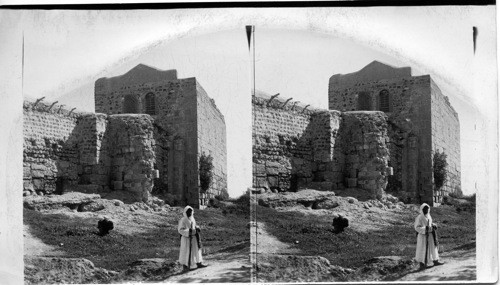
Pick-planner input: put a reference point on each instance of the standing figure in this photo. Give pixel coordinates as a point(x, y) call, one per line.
point(190, 251)
point(427, 245)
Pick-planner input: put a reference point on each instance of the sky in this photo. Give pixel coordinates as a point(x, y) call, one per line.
point(297, 50)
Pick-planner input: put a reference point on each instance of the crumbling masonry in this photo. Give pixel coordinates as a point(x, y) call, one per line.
point(380, 134)
point(147, 134)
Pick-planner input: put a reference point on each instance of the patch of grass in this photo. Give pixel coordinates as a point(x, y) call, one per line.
point(352, 248)
point(137, 236)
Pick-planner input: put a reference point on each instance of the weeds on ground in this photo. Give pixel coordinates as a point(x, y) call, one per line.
point(135, 236)
point(314, 235)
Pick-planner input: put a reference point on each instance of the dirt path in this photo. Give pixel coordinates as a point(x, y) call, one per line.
point(459, 265)
point(233, 267)
point(264, 242)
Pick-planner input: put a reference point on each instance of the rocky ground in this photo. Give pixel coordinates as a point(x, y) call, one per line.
point(62, 244)
point(296, 241)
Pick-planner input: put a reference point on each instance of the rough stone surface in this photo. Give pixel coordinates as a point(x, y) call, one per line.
point(287, 268)
point(297, 148)
point(50, 270)
point(152, 269)
point(150, 133)
point(384, 268)
point(421, 122)
point(309, 198)
point(71, 200)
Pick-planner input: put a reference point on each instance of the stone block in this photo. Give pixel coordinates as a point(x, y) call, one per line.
point(273, 181)
point(120, 161)
point(26, 172)
point(353, 173)
point(37, 174)
point(38, 184)
point(352, 182)
point(118, 185)
point(261, 181)
point(259, 169)
point(87, 169)
point(38, 167)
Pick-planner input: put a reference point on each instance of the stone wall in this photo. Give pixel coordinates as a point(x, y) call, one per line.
point(47, 157)
point(364, 135)
point(410, 131)
point(319, 149)
point(64, 152)
point(212, 141)
point(421, 122)
point(175, 120)
point(109, 91)
point(446, 138)
point(132, 154)
point(277, 135)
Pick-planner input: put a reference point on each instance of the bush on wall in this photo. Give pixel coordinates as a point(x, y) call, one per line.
point(440, 164)
point(206, 171)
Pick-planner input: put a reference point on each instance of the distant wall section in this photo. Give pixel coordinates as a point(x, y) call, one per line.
point(211, 130)
point(446, 138)
point(48, 158)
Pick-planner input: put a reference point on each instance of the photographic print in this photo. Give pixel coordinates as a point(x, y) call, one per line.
point(249, 145)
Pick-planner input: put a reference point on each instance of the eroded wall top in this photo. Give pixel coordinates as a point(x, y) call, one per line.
point(372, 72)
point(138, 75)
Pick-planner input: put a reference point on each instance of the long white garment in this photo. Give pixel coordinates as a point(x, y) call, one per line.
point(432, 251)
point(185, 224)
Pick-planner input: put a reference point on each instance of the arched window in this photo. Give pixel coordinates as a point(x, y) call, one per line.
point(150, 104)
point(364, 101)
point(130, 104)
point(384, 101)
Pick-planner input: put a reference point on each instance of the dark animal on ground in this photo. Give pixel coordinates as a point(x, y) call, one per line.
point(339, 224)
point(104, 225)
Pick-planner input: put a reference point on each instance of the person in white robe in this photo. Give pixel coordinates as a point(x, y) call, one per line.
point(187, 229)
point(425, 227)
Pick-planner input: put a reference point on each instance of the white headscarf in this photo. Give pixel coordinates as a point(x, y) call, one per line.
point(192, 213)
point(428, 216)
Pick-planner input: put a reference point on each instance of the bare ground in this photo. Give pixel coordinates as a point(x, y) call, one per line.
point(459, 265)
point(138, 234)
point(302, 231)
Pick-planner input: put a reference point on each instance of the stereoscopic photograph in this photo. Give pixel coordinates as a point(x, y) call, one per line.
point(249, 145)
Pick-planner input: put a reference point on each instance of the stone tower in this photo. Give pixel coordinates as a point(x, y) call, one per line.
point(422, 122)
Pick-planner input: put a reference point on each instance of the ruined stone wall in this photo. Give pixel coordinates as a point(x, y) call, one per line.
point(94, 151)
point(109, 92)
point(177, 115)
point(212, 141)
point(410, 131)
point(319, 149)
point(133, 157)
point(175, 120)
point(364, 135)
point(278, 143)
point(327, 152)
point(47, 155)
point(446, 138)
point(64, 152)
